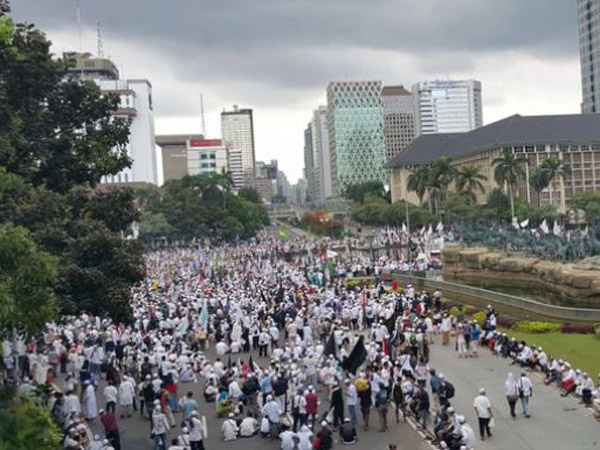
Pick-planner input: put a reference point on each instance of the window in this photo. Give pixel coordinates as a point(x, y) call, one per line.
point(213, 165)
point(203, 156)
point(212, 156)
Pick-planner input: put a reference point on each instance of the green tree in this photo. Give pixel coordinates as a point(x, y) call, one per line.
point(24, 425)
point(418, 182)
point(538, 181)
point(589, 202)
point(508, 168)
point(441, 174)
point(469, 179)
point(554, 170)
point(250, 194)
point(357, 192)
point(27, 278)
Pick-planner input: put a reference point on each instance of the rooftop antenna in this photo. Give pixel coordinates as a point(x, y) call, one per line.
point(78, 6)
point(100, 44)
point(203, 118)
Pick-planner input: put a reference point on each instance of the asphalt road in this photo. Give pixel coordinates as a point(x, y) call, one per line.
point(135, 431)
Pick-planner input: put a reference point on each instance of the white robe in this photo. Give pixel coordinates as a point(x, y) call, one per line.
point(91, 409)
point(126, 393)
point(230, 430)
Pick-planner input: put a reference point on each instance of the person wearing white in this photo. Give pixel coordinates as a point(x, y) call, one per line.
point(126, 395)
point(287, 440)
point(511, 387)
point(91, 408)
point(230, 429)
point(483, 409)
point(196, 428)
point(304, 436)
point(248, 427)
point(467, 433)
point(526, 391)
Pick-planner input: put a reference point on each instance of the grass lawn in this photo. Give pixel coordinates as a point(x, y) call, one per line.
point(581, 350)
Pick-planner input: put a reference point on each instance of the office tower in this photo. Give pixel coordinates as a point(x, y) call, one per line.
point(447, 106)
point(322, 155)
point(310, 164)
point(206, 157)
point(355, 125)
point(135, 104)
point(174, 154)
point(589, 52)
point(237, 132)
point(399, 119)
point(234, 162)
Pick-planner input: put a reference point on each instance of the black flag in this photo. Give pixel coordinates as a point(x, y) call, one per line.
point(357, 357)
point(330, 347)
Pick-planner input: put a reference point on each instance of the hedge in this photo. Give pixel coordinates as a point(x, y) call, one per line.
point(537, 327)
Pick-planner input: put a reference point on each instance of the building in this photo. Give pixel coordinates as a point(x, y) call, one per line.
point(237, 132)
point(135, 104)
point(85, 66)
point(298, 196)
point(311, 164)
point(589, 52)
point(236, 167)
point(573, 139)
point(322, 155)
point(264, 187)
point(206, 157)
point(447, 106)
point(398, 119)
point(174, 154)
point(355, 126)
point(284, 189)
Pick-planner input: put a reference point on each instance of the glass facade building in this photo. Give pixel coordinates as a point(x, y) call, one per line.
point(589, 51)
point(356, 134)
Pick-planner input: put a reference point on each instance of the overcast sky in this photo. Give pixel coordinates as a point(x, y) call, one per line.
point(277, 56)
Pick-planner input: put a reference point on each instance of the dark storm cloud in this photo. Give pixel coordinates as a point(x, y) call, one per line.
point(298, 43)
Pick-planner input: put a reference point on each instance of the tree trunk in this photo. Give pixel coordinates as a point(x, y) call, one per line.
point(512, 202)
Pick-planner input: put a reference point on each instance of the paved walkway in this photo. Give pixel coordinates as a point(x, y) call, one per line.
point(556, 423)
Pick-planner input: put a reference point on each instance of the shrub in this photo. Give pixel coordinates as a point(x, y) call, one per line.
point(597, 330)
point(537, 327)
point(581, 328)
point(470, 310)
point(480, 317)
point(352, 283)
point(506, 322)
point(454, 310)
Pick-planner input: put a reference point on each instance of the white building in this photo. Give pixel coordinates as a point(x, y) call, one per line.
point(237, 132)
point(448, 106)
point(589, 51)
point(135, 104)
point(206, 156)
point(236, 167)
point(322, 153)
point(399, 119)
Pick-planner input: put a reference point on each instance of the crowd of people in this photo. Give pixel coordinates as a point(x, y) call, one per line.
point(281, 346)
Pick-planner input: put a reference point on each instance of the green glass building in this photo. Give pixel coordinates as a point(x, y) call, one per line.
point(356, 134)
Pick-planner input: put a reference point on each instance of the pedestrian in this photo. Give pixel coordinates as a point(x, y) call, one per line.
point(230, 428)
point(381, 403)
point(126, 396)
point(159, 427)
point(197, 432)
point(511, 387)
point(325, 437)
point(364, 394)
point(525, 393)
point(111, 429)
point(337, 404)
point(351, 401)
point(312, 405)
point(110, 397)
point(483, 409)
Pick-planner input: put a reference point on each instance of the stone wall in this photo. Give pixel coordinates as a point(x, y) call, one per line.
point(579, 282)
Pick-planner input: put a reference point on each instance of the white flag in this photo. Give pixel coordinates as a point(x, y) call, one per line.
point(404, 228)
point(556, 230)
point(422, 232)
point(525, 223)
point(544, 227)
point(440, 227)
point(429, 231)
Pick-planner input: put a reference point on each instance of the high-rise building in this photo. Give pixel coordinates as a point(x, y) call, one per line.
point(322, 154)
point(234, 162)
point(355, 126)
point(135, 104)
point(237, 131)
point(311, 163)
point(589, 52)
point(399, 119)
point(448, 106)
point(174, 154)
point(206, 157)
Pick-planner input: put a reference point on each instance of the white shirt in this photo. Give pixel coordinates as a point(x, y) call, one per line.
point(526, 386)
point(110, 394)
point(482, 405)
point(248, 426)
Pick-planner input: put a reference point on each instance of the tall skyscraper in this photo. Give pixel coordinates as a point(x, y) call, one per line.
point(447, 106)
point(310, 164)
point(135, 104)
point(589, 52)
point(399, 119)
point(356, 140)
point(323, 154)
point(237, 131)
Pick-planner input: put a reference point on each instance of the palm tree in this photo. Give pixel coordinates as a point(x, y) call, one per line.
point(538, 182)
point(418, 182)
point(507, 170)
point(554, 169)
point(441, 175)
point(225, 179)
point(469, 179)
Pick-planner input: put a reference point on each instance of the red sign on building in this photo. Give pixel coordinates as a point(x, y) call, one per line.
point(197, 143)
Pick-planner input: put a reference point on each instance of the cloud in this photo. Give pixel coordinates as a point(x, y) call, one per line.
point(278, 56)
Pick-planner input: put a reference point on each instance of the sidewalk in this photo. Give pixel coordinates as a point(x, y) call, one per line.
point(556, 423)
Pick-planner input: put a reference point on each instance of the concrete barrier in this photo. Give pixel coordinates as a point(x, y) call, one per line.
point(482, 297)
